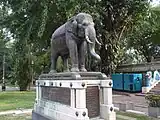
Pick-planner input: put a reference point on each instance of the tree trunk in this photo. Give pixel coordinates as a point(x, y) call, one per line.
point(23, 88)
point(105, 63)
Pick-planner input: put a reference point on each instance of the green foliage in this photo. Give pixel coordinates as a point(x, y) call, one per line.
point(22, 69)
point(145, 34)
point(5, 50)
point(33, 22)
point(136, 116)
point(156, 35)
point(153, 100)
point(41, 62)
point(116, 20)
point(132, 57)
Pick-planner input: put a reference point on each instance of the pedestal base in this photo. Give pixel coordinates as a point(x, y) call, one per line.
point(58, 111)
point(107, 112)
point(37, 116)
point(73, 96)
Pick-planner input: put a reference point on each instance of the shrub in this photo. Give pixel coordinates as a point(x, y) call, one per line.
point(153, 100)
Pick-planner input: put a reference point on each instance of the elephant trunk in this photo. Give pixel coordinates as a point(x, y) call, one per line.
point(90, 36)
point(92, 52)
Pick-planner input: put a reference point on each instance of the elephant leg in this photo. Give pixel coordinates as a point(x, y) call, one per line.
point(82, 52)
point(65, 63)
point(73, 55)
point(54, 57)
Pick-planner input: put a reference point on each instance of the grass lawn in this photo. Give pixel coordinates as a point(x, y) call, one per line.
point(16, 117)
point(15, 100)
point(137, 116)
point(123, 115)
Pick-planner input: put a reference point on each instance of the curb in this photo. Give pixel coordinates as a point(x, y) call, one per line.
point(120, 93)
point(136, 112)
point(132, 111)
point(140, 94)
point(16, 112)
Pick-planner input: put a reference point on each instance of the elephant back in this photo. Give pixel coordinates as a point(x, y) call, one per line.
point(59, 32)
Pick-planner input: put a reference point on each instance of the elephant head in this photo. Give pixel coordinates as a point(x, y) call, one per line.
point(82, 26)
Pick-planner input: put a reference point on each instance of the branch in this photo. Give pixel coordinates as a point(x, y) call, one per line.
point(115, 33)
point(123, 29)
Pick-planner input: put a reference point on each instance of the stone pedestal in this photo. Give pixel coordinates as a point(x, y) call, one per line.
point(73, 96)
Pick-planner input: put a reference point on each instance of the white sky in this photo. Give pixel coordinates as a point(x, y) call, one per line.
point(155, 2)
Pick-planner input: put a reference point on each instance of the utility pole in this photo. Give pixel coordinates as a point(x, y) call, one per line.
point(3, 78)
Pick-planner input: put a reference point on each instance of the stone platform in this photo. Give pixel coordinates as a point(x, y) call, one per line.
point(73, 96)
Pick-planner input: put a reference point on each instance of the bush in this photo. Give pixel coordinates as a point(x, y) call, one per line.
point(153, 100)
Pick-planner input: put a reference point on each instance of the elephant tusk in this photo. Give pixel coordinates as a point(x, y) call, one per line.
point(98, 42)
point(87, 38)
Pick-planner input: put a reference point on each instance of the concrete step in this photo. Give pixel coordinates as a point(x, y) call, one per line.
point(156, 89)
point(158, 85)
point(155, 92)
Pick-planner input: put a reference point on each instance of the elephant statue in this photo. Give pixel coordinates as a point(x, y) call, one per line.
point(72, 40)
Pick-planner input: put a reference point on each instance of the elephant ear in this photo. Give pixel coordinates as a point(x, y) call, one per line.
point(71, 25)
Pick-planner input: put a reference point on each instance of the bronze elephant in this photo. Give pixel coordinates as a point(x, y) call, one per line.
point(72, 40)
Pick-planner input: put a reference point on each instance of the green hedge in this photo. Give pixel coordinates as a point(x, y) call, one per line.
point(153, 100)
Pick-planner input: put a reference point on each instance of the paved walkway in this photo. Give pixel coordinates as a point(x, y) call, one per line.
point(139, 101)
point(8, 88)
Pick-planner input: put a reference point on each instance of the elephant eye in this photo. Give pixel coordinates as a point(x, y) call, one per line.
point(84, 24)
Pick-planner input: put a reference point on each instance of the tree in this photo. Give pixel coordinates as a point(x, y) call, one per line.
point(114, 20)
point(5, 50)
point(132, 57)
point(32, 23)
point(156, 35)
point(145, 35)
